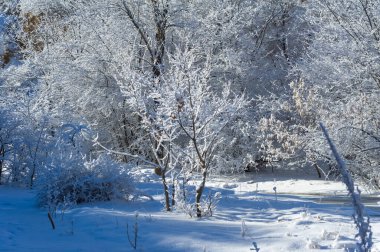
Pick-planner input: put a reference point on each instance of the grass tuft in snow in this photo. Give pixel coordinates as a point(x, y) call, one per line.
point(133, 240)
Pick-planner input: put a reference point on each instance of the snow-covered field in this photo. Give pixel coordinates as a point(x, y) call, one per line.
point(305, 214)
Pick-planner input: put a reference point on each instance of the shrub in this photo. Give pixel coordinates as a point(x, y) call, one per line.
point(100, 179)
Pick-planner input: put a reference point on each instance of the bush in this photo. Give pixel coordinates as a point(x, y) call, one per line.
point(101, 179)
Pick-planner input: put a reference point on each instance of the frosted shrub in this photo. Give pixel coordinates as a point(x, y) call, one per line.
point(8, 127)
point(312, 244)
point(24, 145)
point(112, 176)
point(101, 179)
point(210, 203)
point(182, 203)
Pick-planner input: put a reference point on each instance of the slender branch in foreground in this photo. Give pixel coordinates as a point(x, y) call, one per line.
point(362, 225)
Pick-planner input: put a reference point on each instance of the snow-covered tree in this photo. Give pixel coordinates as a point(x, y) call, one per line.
point(334, 82)
point(339, 81)
point(185, 114)
point(203, 113)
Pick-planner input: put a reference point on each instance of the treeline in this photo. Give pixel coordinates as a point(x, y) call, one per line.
point(191, 87)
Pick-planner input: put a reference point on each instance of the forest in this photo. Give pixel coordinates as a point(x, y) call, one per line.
point(99, 98)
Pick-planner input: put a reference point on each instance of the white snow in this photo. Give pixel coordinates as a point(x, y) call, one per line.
point(248, 217)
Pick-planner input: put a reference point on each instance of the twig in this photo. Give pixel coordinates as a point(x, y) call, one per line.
point(51, 220)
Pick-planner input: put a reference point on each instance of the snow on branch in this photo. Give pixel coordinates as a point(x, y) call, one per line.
point(362, 225)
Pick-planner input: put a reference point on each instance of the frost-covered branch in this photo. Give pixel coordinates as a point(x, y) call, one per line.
point(142, 159)
point(362, 224)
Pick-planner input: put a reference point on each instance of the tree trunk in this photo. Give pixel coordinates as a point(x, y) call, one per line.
point(200, 189)
point(2, 153)
point(160, 19)
point(173, 194)
point(166, 192)
point(317, 168)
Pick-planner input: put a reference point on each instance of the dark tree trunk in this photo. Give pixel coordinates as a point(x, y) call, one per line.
point(166, 192)
point(160, 19)
point(317, 168)
point(2, 153)
point(173, 194)
point(200, 189)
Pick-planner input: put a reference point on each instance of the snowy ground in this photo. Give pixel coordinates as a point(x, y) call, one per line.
point(306, 214)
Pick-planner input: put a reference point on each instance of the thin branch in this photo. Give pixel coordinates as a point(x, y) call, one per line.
point(97, 143)
point(139, 29)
